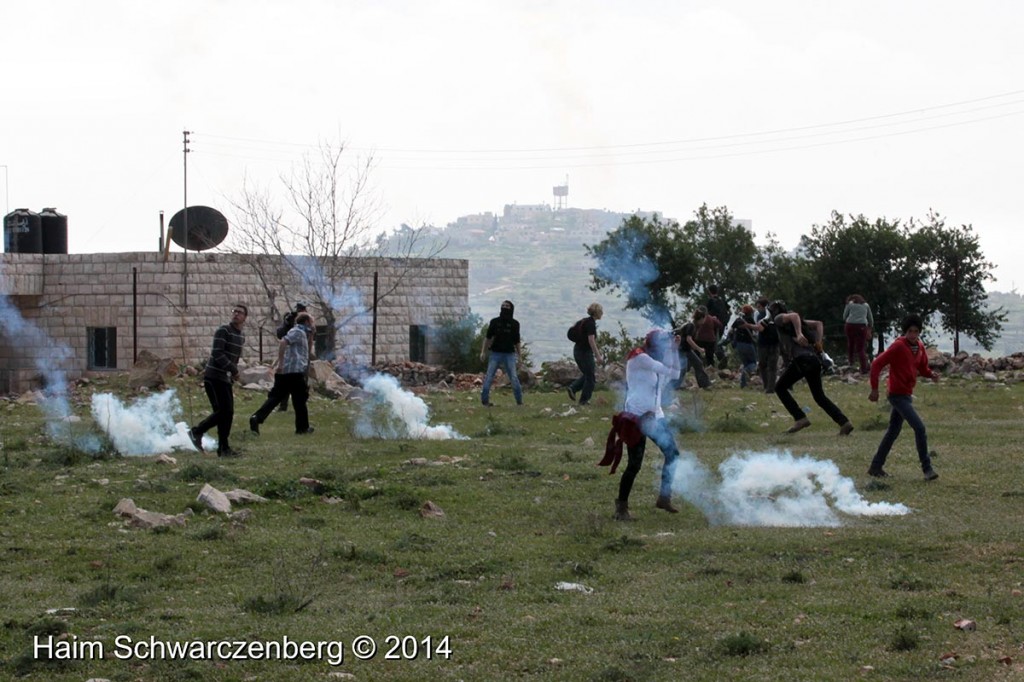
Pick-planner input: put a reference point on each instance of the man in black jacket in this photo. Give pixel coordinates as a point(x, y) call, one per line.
point(221, 371)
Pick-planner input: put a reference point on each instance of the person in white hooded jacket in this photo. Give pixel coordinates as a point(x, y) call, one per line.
point(650, 370)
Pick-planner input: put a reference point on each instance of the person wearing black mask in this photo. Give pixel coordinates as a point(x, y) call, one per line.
point(505, 347)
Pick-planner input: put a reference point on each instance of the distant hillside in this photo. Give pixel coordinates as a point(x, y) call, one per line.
point(548, 277)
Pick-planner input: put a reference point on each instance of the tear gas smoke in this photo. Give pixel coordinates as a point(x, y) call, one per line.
point(626, 264)
point(146, 427)
point(774, 489)
point(49, 359)
point(392, 412)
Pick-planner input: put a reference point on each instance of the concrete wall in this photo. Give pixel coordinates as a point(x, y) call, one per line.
point(66, 294)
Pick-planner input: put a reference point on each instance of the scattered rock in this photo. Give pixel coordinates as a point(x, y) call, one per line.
point(166, 459)
point(239, 496)
point(965, 625)
point(429, 510)
point(140, 518)
point(214, 499)
point(574, 587)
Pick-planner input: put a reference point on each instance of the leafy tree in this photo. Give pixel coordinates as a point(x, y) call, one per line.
point(660, 267)
point(859, 256)
point(459, 341)
point(647, 262)
point(725, 253)
point(954, 272)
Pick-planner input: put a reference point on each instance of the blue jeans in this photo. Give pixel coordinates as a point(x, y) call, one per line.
point(507, 363)
point(657, 430)
point(748, 361)
point(584, 358)
point(903, 411)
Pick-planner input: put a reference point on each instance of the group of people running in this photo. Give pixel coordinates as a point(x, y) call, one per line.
point(654, 370)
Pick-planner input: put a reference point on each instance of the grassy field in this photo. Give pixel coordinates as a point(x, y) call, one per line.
point(472, 595)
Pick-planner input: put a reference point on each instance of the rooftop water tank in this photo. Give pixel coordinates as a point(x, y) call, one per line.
point(23, 232)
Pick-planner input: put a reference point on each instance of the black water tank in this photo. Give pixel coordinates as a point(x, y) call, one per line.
point(55, 231)
point(23, 232)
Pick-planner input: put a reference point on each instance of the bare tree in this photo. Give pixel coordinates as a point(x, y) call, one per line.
point(320, 244)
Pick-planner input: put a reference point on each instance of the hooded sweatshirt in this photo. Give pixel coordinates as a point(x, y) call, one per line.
point(504, 331)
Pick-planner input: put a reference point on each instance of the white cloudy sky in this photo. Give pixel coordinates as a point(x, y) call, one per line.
point(783, 111)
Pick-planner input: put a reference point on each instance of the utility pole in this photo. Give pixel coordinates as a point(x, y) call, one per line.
point(184, 155)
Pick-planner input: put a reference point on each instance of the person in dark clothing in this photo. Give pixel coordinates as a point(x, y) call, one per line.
point(803, 338)
point(690, 350)
point(221, 371)
point(505, 346)
point(767, 346)
point(290, 377)
point(586, 355)
point(709, 333)
point(906, 359)
point(719, 309)
point(742, 332)
point(286, 325)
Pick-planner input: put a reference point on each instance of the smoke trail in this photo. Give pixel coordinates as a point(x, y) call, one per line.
point(626, 264)
point(146, 427)
point(50, 359)
point(392, 412)
point(774, 489)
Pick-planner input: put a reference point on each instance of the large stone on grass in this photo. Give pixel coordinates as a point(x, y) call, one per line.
point(256, 374)
point(151, 371)
point(214, 499)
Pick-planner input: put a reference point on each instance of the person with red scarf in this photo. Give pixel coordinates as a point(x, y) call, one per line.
point(906, 358)
point(650, 370)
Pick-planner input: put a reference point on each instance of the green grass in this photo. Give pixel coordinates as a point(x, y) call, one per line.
point(525, 508)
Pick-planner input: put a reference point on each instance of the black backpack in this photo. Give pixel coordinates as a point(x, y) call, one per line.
point(574, 331)
point(289, 322)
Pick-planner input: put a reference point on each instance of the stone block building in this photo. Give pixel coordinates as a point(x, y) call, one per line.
point(105, 308)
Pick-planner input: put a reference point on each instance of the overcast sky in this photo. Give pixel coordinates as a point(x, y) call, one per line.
point(783, 111)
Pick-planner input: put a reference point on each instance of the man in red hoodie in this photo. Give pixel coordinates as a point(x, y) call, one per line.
point(906, 359)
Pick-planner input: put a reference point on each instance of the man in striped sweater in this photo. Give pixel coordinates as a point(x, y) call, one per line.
point(221, 371)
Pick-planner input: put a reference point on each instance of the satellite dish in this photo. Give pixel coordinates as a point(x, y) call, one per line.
point(207, 227)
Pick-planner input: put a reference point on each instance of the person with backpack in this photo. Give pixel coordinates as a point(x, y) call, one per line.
point(583, 334)
point(767, 346)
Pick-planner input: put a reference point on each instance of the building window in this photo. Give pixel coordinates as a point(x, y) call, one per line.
point(418, 342)
point(320, 342)
point(102, 347)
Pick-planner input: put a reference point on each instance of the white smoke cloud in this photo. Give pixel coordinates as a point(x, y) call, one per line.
point(50, 360)
point(774, 489)
point(392, 412)
point(146, 427)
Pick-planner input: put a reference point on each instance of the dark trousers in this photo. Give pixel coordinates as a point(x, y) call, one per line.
point(691, 360)
point(903, 411)
point(657, 430)
point(285, 385)
point(806, 367)
point(768, 366)
point(222, 400)
point(584, 358)
point(856, 340)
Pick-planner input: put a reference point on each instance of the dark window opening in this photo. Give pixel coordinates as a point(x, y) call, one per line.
point(102, 347)
point(418, 343)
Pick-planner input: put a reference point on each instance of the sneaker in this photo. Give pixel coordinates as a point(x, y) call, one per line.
point(228, 452)
point(877, 473)
point(846, 429)
point(254, 424)
point(799, 425)
point(930, 475)
point(197, 440)
point(572, 394)
point(308, 430)
point(665, 503)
